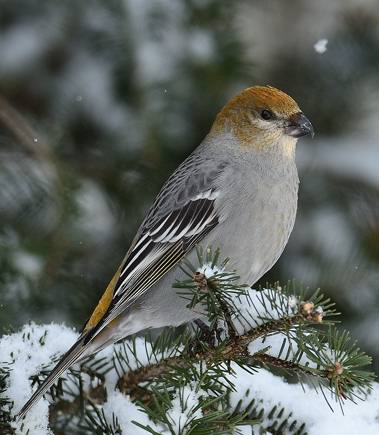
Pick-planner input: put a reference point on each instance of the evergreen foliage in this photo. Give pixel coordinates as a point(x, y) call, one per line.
point(190, 373)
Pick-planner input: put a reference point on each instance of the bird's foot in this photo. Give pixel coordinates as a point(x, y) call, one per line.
point(207, 337)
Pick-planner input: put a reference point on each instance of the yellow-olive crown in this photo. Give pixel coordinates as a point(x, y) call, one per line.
point(261, 115)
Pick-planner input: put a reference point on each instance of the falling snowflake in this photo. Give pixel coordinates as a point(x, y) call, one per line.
point(321, 46)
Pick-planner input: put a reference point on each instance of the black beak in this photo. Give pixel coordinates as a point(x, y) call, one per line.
point(299, 125)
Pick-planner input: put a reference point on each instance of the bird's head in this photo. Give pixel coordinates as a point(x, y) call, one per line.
point(261, 116)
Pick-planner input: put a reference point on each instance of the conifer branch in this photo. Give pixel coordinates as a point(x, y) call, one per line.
point(253, 322)
point(234, 349)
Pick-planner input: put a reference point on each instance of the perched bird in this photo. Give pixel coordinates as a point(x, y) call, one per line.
point(236, 191)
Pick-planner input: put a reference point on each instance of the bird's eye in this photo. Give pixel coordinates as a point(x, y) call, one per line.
point(266, 115)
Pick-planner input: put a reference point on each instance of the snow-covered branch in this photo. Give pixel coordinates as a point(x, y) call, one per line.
point(183, 382)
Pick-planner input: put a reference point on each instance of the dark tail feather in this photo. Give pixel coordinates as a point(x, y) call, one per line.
point(71, 356)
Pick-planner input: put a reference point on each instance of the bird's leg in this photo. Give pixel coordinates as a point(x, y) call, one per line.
point(231, 330)
point(207, 337)
point(207, 334)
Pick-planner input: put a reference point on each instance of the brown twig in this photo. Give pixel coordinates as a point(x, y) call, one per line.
point(235, 349)
point(272, 361)
point(134, 383)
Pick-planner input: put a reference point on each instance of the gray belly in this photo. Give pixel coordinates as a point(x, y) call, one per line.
point(255, 239)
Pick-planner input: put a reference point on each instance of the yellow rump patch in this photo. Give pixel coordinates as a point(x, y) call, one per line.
point(104, 303)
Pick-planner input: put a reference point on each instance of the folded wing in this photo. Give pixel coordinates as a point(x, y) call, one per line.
point(183, 213)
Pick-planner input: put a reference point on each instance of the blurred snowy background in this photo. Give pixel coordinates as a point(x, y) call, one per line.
point(100, 101)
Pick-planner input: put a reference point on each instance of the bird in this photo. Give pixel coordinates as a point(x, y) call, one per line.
point(238, 191)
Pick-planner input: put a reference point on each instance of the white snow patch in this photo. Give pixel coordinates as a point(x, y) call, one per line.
point(273, 344)
point(26, 352)
point(254, 308)
point(181, 413)
point(34, 346)
point(208, 270)
point(307, 406)
point(126, 412)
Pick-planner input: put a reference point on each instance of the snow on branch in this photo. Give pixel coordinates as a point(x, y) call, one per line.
point(227, 375)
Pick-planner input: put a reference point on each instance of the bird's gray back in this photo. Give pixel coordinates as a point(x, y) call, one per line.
point(197, 174)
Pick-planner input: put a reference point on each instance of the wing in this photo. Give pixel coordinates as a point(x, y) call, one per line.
point(160, 244)
point(183, 213)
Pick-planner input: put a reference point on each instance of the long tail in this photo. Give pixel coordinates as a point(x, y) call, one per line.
point(70, 357)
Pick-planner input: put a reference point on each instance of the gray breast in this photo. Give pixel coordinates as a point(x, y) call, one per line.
point(258, 220)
